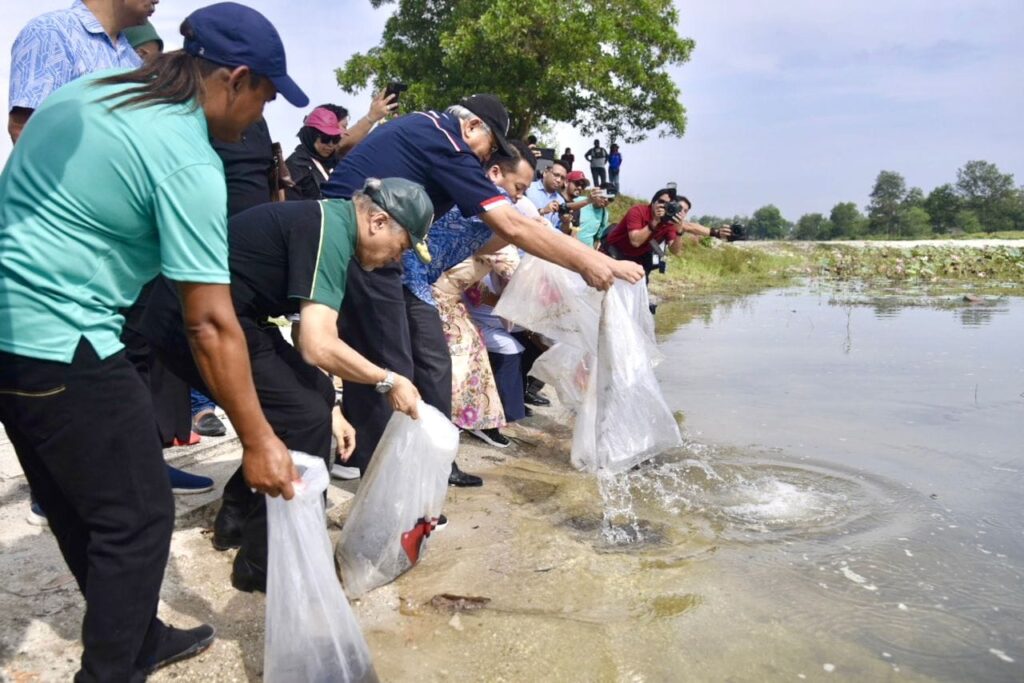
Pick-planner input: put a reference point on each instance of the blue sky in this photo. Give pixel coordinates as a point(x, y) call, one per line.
point(799, 103)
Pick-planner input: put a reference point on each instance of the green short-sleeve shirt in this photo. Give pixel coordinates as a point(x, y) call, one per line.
point(94, 203)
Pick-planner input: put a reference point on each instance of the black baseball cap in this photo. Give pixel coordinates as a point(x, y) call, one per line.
point(492, 112)
point(231, 34)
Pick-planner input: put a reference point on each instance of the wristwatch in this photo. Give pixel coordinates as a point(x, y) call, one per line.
point(386, 384)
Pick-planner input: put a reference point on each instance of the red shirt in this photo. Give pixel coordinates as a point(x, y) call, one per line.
point(639, 218)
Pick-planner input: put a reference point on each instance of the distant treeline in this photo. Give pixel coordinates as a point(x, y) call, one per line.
point(982, 200)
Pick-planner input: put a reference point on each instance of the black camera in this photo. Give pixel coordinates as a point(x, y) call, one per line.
point(564, 210)
point(672, 209)
point(738, 232)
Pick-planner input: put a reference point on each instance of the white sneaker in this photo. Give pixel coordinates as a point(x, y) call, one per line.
point(339, 471)
point(36, 516)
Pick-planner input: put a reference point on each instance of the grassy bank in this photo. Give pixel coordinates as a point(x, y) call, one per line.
point(705, 267)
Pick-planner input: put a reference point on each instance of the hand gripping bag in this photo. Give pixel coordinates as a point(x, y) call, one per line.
point(399, 500)
point(311, 633)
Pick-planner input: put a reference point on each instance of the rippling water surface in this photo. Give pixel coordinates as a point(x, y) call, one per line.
point(856, 466)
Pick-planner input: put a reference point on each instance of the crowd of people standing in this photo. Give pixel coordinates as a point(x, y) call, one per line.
point(142, 268)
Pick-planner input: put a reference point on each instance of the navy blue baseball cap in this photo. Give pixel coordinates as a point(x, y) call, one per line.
point(231, 34)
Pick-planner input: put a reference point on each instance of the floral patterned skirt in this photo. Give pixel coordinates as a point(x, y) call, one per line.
point(475, 401)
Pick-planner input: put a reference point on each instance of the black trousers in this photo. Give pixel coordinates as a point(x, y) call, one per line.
point(387, 324)
point(598, 174)
point(172, 404)
point(296, 399)
point(84, 434)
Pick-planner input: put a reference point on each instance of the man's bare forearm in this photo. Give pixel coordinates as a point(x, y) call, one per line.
point(537, 239)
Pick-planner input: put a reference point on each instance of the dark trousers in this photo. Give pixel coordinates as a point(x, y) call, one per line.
point(296, 399)
point(531, 352)
point(381, 319)
point(84, 434)
point(509, 378)
point(171, 402)
point(597, 173)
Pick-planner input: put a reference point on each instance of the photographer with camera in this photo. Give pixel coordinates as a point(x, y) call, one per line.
point(546, 193)
point(645, 229)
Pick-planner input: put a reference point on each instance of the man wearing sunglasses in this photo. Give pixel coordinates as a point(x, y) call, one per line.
point(546, 192)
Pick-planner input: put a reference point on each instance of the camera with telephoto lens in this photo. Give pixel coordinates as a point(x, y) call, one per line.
point(672, 209)
point(738, 232)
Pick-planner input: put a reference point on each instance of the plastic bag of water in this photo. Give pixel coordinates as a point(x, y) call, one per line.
point(311, 632)
point(623, 419)
point(399, 500)
point(602, 366)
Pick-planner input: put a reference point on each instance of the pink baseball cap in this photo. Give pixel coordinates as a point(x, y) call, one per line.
point(324, 121)
point(576, 176)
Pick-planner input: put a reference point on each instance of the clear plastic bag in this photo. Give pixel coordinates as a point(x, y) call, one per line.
point(312, 635)
point(399, 500)
point(553, 301)
point(567, 369)
point(623, 419)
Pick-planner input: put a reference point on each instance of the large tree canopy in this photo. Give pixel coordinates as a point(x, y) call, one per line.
point(600, 65)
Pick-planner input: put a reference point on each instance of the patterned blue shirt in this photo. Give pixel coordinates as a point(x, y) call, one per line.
point(452, 239)
point(56, 48)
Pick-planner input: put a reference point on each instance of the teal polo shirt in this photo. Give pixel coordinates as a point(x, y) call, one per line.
point(94, 203)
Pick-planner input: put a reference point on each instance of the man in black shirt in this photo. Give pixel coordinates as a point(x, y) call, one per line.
point(293, 257)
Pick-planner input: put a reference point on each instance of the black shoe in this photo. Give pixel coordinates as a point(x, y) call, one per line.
point(535, 399)
point(227, 527)
point(493, 437)
point(529, 411)
point(209, 425)
point(177, 644)
point(460, 478)
point(442, 522)
point(247, 577)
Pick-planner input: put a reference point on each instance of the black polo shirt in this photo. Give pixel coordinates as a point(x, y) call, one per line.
point(247, 166)
point(286, 252)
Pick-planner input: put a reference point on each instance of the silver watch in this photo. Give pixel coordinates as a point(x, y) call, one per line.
point(386, 384)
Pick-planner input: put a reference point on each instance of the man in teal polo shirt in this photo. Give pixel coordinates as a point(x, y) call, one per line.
point(135, 190)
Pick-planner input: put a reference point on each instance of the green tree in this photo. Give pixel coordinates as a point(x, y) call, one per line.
point(942, 205)
point(915, 222)
point(767, 223)
point(601, 66)
point(847, 221)
point(812, 226)
point(914, 197)
point(886, 203)
point(989, 193)
point(968, 221)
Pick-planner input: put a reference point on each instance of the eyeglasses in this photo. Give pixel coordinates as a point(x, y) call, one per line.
point(557, 176)
point(330, 139)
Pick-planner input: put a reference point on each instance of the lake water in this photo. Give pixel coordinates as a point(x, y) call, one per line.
point(845, 508)
point(856, 467)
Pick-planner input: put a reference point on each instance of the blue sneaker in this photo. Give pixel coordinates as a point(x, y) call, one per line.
point(183, 482)
point(36, 515)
